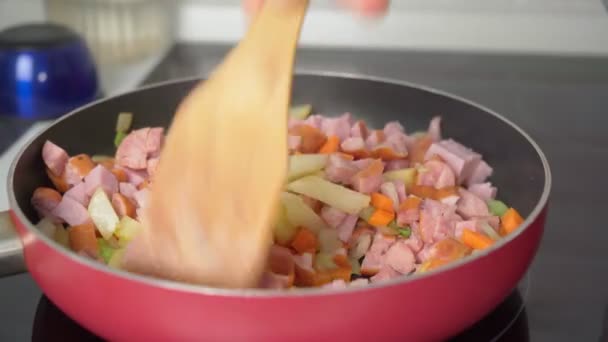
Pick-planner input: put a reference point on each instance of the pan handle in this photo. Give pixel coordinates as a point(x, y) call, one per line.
point(11, 249)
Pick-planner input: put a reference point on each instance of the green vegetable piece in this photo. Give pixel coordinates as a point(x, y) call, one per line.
point(62, 237)
point(356, 266)
point(497, 207)
point(116, 259)
point(105, 250)
point(405, 232)
point(126, 230)
point(300, 112)
point(124, 121)
point(118, 138)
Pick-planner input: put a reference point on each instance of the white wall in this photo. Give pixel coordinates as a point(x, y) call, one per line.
point(519, 26)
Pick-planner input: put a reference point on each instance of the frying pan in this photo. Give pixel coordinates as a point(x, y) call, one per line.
point(120, 306)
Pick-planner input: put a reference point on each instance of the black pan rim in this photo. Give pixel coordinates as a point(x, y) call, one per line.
point(299, 292)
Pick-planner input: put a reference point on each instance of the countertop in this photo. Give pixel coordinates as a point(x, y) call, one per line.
point(560, 102)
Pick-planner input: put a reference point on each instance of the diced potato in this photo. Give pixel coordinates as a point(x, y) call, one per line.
point(284, 231)
point(305, 164)
point(116, 259)
point(324, 262)
point(331, 194)
point(329, 241)
point(102, 213)
point(62, 237)
point(299, 214)
point(407, 176)
point(47, 227)
point(126, 230)
point(300, 111)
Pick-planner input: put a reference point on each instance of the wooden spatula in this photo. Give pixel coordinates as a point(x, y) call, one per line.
point(209, 216)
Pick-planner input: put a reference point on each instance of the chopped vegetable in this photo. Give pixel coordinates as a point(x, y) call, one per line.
point(366, 213)
point(390, 191)
point(47, 227)
point(284, 231)
point(497, 207)
point(105, 250)
point(331, 194)
point(300, 112)
point(475, 240)
point(407, 176)
point(305, 164)
point(489, 231)
point(102, 213)
point(126, 230)
point(116, 259)
point(62, 237)
point(305, 241)
point(331, 145)
point(510, 220)
point(405, 232)
point(299, 214)
point(381, 218)
point(324, 262)
point(118, 138)
point(380, 201)
point(329, 240)
point(124, 122)
point(411, 202)
point(355, 266)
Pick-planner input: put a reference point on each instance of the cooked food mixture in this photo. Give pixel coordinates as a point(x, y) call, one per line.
point(360, 205)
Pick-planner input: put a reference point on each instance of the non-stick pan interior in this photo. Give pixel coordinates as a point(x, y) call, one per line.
point(518, 168)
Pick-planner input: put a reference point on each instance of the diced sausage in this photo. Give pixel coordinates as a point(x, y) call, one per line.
point(77, 168)
point(82, 238)
point(122, 205)
point(71, 211)
point(45, 200)
point(101, 177)
point(332, 216)
point(54, 157)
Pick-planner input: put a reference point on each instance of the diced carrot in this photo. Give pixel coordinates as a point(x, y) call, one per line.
point(341, 260)
point(387, 153)
point(380, 201)
point(331, 145)
point(360, 154)
point(322, 278)
point(419, 148)
point(304, 277)
point(412, 202)
point(475, 240)
point(510, 220)
point(123, 206)
point(446, 192)
point(312, 138)
point(120, 175)
point(381, 218)
point(81, 164)
point(58, 181)
point(304, 241)
point(83, 238)
point(107, 163)
point(341, 273)
point(423, 191)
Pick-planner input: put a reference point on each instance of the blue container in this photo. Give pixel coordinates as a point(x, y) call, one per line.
point(46, 70)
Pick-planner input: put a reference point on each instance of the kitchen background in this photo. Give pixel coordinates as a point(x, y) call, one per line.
point(540, 62)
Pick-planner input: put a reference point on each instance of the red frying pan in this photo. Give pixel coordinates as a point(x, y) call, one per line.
point(432, 306)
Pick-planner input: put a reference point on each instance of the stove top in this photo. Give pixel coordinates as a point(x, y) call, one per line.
point(561, 102)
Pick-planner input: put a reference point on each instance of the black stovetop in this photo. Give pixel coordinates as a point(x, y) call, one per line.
point(559, 101)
